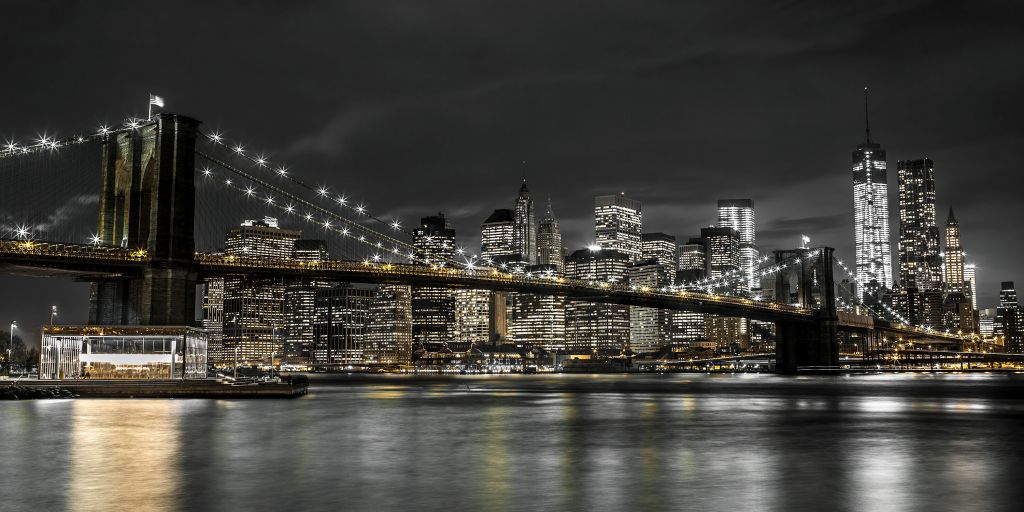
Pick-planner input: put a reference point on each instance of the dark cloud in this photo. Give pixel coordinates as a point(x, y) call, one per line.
point(416, 107)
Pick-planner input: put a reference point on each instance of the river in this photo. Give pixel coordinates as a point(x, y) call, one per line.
point(533, 443)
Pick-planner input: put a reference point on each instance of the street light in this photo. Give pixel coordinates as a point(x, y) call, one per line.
point(10, 366)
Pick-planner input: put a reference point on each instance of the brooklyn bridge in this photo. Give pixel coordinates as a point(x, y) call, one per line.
point(165, 188)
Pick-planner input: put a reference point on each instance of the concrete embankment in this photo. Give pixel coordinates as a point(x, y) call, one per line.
point(206, 388)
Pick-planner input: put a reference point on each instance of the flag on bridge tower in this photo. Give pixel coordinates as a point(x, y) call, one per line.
point(154, 100)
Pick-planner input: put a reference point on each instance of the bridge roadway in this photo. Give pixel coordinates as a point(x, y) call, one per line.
point(96, 261)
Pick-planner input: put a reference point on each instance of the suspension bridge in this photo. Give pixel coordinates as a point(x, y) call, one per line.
point(141, 210)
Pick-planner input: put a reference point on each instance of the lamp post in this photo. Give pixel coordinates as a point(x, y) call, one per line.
point(10, 364)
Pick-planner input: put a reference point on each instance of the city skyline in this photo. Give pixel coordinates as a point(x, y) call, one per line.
point(672, 163)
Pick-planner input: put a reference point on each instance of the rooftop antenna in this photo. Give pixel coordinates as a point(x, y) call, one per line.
point(524, 171)
point(867, 119)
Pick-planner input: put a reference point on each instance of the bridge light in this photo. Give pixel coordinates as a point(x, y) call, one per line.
point(216, 137)
point(207, 171)
point(227, 182)
point(289, 209)
point(395, 225)
point(239, 149)
point(261, 161)
point(250, 191)
point(327, 224)
point(344, 231)
point(361, 209)
point(322, 191)
point(282, 171)
point(95, 239)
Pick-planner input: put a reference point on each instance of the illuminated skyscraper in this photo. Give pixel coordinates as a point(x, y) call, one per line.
point(524, 238)
point(723, 265)
point(213, 319)
point(497, 236)
point(618, 223)
point(693, 263)
point(920, 264)
point(953, 264)
point(433, 309)
point(661, 248)
point(300, 304)
point(389, 333)
point(650, 328)
point(1007, 324)
point(254, 322)
point(739, 215)
point(342, 318)
point(971, 283)
point(472, 316)
point(590, 326)
point(549, 241)
point(537, 320)
point(871, 215)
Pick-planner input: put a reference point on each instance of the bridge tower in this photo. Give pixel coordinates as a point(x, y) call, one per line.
point(810, 284)
point(147, 201)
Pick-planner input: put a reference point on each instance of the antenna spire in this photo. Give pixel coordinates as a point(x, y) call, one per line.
point(867, 119)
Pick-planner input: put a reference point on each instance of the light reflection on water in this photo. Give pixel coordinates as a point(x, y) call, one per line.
point(531, 443)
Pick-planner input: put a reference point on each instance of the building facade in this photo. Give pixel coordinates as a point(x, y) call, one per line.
point(549, 241)
point(953, 262)
point(920, 263)
point(342, 319)
point(618, 223)
point(592, 327)
point(524, 239)
point(738, 214)
point(873, 262)
point(433, 309)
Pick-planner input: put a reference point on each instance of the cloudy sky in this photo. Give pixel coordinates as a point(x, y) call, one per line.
point(417, 107)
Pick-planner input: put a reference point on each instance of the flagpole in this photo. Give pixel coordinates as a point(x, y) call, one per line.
point(150, 118)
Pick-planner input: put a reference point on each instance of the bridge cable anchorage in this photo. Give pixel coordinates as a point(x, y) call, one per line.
point(281, 171)
point(363, 234)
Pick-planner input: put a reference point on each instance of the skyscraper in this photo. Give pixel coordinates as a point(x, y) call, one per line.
point(590, 326)
point(920, 264)
point(497, 236)
point(739, 215)
point(662, 248)
point(723, 263)
point(618, 223)
point(389, 333)
point(254, 324)
point(871, 214)
point(549, 241)
point(213, 319)
point(693, 264)
point(650, 328)
point(524, 239)
point(953, 264)
point(342, 318)
point(300, 304)
point(1007, 325)
point(433, 309)
point(971, 283)
point(537, 320)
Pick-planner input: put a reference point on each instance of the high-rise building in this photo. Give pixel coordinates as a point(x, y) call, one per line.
point(953, 264)
point(662, 248)
point(433, 309)
point(549, 241)
point(618, 224)
point(723, 265)
point(739, 215)
point(472, 316)
point(537, 320)
point(300, 304)
point(650, 328)
point(871, 215)
point(1007, 326)
point(497, 236)
point(342, 318)
point(213, 319)
point(254, 324)
point(524, 238)
point(971, 283)
point(590, 326)
point(693, 262)
point(920, 264)
point(389, 333)
point(987, 324)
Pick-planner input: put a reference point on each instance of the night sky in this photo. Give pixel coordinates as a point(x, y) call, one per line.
point(417, 107)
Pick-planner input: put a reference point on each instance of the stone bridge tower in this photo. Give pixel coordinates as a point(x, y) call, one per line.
point(811, 284)
point(147, 201)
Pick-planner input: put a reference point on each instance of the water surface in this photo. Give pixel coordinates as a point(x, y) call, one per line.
point(556, 442)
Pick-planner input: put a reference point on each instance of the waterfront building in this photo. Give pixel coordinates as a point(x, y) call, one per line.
point(589, 326)
point(549, 241)
point(254, 323)
point(472, 315)
point(389, 331)
point(299, 304)
point(537, 320)
point(524, 237)
point(1007, 325)
point(433, 309)
point(342, 318)
point(953, 264)
point(213, 318)
point(920, 263)
point(122, 352)
point(738, 214)
point(618, 223)
point(873, 263)
point(650, 328)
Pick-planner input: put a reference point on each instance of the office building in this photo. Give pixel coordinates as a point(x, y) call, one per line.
point(213, 319)
point(537, 320)
point(589, 326)
point(738, 214)
point(873, 262)
point(433, 309)
point(388, 338)
point(662, 248)
point(650, 328)
point(299, 304)
point(953, 263)
point(254, 323)
point(971, 283)
point(497, 237)
point(549, 241)
point(1007, 326)
point(618, 224)
point(524, 236)
point(342, 319)
point(920, 263)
